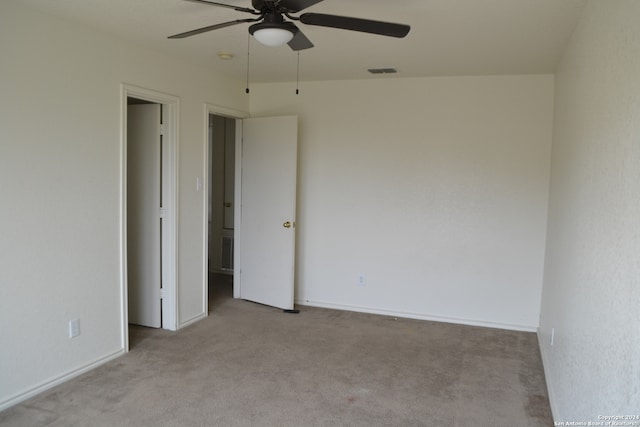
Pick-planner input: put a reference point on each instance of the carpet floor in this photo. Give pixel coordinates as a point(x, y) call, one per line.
point(252, 365)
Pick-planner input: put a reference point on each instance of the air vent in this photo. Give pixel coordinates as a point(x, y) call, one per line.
point(382, 70)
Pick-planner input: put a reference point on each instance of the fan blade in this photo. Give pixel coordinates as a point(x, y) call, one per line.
point(297, 5)
point(210, 28)
point(300, 41)
point(230, 6)
point(355, 24)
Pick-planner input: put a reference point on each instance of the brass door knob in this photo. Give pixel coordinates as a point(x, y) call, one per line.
point(287, 224)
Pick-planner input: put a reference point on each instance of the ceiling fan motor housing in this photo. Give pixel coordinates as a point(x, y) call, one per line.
point(273, 30)
point(273, 20)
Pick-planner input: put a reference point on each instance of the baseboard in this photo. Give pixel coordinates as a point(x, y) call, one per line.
point(193, 320)
point(418, 316)
point(58, 380)
point(545, 366)
point(221, 271)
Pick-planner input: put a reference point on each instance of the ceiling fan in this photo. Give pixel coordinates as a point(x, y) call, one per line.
point(272, 29)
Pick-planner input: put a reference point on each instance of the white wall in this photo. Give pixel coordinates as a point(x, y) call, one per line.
point(434, 189)
point(59, 190)
point(592, 276)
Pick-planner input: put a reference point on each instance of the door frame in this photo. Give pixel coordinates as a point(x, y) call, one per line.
point(169, 294)
point(238, 116)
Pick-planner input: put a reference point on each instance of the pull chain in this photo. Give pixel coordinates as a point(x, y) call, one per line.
point(248, 48)
point(298, 74)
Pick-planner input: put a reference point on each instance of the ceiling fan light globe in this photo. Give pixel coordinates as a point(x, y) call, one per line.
point(273, 36)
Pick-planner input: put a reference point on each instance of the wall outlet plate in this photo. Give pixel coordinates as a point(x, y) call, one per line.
point(74, 328)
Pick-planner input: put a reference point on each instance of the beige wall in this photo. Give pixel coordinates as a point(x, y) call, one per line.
point(60, 190)
point(434, 189)
point(592, 278)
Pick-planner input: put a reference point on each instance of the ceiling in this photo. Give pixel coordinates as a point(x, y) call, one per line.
point(447, 37)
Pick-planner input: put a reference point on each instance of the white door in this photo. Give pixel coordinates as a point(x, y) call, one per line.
point(143, 214)
point(268, 208)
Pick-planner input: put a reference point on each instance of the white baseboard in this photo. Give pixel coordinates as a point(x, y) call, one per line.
point(418, 316)
point(192, 320)
point(545, 366)
point(58, 380)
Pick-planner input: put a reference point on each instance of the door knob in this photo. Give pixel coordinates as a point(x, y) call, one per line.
point(287, 224)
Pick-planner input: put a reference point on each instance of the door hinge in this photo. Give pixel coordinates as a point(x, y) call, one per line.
point(161, 129)
point(162, 212)
point(162, 293)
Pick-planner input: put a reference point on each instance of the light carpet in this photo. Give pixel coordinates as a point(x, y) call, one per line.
point(252, 365)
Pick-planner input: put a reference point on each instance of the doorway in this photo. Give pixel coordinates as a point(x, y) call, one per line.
point(220, 275)
point(144, 212)
point(148, 209)
point(221, 206)
point(264, 193)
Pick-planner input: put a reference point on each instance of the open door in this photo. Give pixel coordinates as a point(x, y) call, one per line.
point(143, 214)
point(268, 208)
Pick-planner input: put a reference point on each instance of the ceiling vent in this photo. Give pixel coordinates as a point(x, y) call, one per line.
point(382, 70)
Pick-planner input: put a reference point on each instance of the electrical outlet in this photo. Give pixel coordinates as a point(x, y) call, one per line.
point(74, 328)
point(361, 280)
point(553, 335)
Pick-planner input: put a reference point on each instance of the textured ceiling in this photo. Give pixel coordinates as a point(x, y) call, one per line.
point(447, 37)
